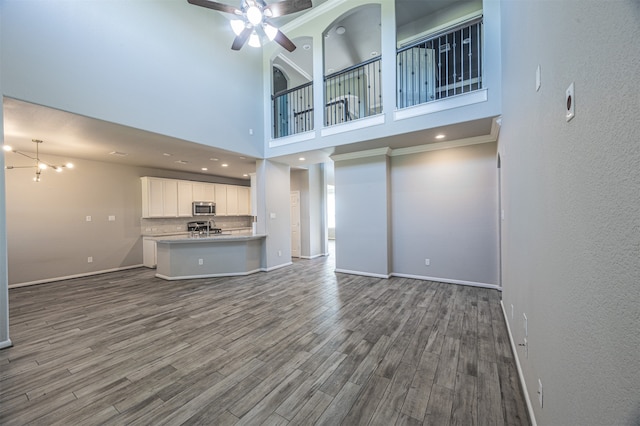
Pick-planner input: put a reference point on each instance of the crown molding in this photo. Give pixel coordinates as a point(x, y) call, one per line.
point(362, 154)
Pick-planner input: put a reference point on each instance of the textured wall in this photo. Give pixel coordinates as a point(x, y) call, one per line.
point(571, 234)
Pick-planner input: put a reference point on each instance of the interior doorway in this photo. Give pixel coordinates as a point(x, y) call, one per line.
point(295, 223)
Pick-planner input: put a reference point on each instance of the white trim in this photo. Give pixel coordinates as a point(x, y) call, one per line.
point(312, 257)
point(311, 15)
point(451, 102)
point(361, 154)
point(447, 281)
point(68, 277)
point(276, 267)
point(6, 344)
point(476, 140)
point(188, 277)
point(287, 140)
point(439, 29)
point(366, 274)
point(358, 124)
point(523, 384)
point(294, 66)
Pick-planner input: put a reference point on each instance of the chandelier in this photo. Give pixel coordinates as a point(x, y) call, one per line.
point(39, 165)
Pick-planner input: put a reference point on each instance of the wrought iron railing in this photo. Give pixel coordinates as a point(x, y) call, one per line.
point(355, 92)
point(293, 111)
point(446, 64)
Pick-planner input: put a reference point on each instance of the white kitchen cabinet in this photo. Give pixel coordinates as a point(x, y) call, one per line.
point(244, 201)
point(203, 191)
point(149, 252)
point(232, 200)
point(159, 197)
point(185, 198)
point(221, 199)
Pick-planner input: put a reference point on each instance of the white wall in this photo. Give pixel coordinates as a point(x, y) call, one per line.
point(310, 183)
point(161, 66)
point(571, 234)
point(4, 281)
point(274, 212)
point(445, 209)
point(362, 215)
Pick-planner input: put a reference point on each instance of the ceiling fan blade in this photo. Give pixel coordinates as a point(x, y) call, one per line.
point(284, 41)
point(216, 6)
point(241, 39)
point(286, 7)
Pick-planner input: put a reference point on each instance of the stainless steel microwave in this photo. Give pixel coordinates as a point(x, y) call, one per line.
point(204, 208)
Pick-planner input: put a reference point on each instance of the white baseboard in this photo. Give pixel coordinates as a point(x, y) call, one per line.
point(523, 384)
point(273, 268)
point(312, 257)
point(189, 277)
point(365, 274)
point(448, 281)
point(6, 344)
point(68, 277)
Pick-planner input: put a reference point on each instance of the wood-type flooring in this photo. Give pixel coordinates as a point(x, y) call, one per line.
point(301, 345)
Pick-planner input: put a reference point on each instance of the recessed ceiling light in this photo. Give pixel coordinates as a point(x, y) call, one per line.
point(306, 46)
point(213, 159)
point(166, 154)
point(243, 158)
point(341, 30)
point(374, 53)
point(204, 169)
point(440, 136)
point(301, 158)
point(245, 175)
point(224, 165)
point(118, 153)
point(182, 162)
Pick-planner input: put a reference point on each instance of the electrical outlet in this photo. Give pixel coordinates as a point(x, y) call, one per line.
point(112, 218)
point(88, 218)
point(200, 261)
point(427, 262)
point(526, 325)
point(570, 99)
point(540, 392)
point(279, 252)
point(90, 259)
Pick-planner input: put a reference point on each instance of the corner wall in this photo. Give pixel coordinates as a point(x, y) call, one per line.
point(445, 209)
point(5, 341)
point(571, 232)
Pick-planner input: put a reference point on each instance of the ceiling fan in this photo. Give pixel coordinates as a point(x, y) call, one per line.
point(254, 22)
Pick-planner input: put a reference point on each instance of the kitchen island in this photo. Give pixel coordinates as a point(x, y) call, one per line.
point(218, 255)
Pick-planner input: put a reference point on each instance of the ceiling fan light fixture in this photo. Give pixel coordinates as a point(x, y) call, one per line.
point(254, 40)
point(237, 26)
point(254, 15)
point(270, 31)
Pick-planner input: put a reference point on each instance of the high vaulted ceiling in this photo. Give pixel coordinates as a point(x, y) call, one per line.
point(67, 134)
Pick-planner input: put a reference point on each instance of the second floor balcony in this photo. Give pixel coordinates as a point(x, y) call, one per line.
point(442, 65)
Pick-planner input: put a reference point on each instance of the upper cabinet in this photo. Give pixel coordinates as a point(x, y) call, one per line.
point(173, 198)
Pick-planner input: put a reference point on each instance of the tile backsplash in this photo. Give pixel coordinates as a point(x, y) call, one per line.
point(179, 224)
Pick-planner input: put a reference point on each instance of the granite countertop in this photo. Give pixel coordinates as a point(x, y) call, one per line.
point(187, 239)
